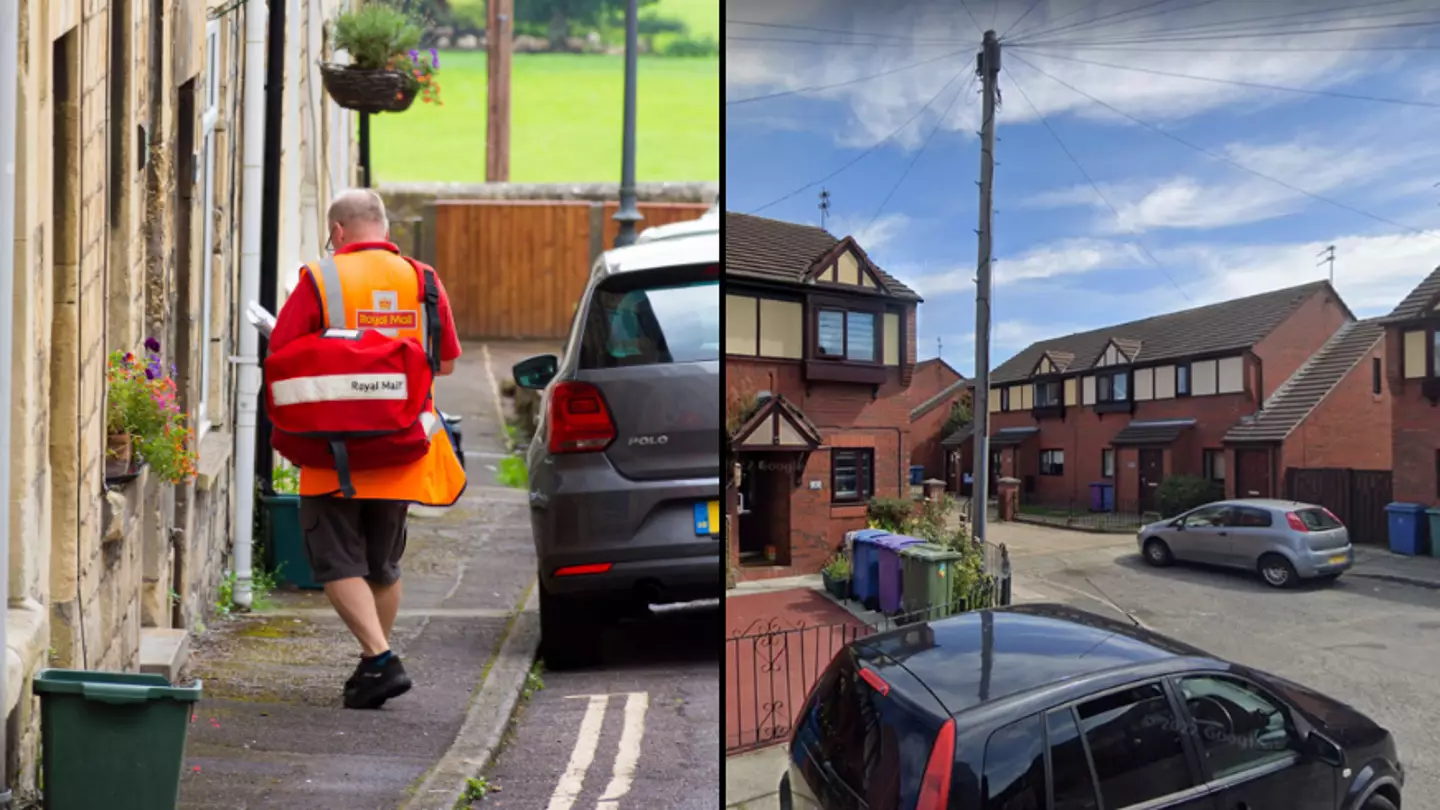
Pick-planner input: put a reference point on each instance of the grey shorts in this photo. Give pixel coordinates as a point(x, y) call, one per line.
point(354, 538)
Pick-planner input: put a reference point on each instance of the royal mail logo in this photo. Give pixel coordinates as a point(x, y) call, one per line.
point(379, 319)
point(377, 386)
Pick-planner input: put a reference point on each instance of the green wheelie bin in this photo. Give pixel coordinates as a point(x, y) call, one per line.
point(926, 581)
point(112, 739)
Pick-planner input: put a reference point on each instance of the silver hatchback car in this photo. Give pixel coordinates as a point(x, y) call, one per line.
point(625, 462)
point(1283, 541)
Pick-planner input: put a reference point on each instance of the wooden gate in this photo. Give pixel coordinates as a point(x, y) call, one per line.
point(515, 269)
point(1357, 497)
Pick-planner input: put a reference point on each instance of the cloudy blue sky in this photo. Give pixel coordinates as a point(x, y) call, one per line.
point(811, 85)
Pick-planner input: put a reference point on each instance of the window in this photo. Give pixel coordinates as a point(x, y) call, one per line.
point(1208, 517)
point(1182, 381)
point(1004, 399)
point(1107, 463)
point(1252, 517)
point(845, 335)
point(209, 118)
point(1238, 726)
point(852, 474)
point(1437, 473)
point(1318, 520)
point(1214, 465)
point(1015, 765)
point(1435, 353)
point(654, 317)
point(1047, 394)
point(1375, 376)
point(1052, 462)
point(1113, 387)
point(1069, 769)
point(1134, 741)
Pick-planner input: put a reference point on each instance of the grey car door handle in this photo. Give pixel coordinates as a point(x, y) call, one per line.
point(1224, 534)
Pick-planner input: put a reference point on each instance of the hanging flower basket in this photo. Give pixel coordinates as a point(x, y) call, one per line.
point(368, 91)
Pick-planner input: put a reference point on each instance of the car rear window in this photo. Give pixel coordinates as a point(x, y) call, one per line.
point(1318, 520)
point(653, 317)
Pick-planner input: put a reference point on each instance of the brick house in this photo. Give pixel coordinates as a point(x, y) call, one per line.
point(1412, 337)
point(935, 389)
point(128, 225)
point(819, 357)
point(1237, 392)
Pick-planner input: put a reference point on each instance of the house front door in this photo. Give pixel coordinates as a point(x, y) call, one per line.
point(1252, 473)
point(1151, 473)
point(765, 487)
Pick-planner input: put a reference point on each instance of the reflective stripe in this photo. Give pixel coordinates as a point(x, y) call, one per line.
point(339, 387)
point(334, 294)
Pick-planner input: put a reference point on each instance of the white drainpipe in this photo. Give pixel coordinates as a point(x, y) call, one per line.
point(9, 117)
point(251, 192)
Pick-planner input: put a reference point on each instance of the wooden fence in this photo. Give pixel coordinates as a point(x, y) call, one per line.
point(516, 269)
point(1357, 497)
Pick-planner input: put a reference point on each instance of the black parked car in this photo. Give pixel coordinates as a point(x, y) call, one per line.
point(1045, 707)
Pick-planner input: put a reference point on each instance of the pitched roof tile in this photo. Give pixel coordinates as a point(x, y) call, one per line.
point(771, 250)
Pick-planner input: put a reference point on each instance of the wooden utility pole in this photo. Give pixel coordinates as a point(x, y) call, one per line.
point(989, 69)
point(1328, 256)
point(499, 36)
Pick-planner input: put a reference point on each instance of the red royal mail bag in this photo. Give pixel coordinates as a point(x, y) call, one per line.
point(348, 399)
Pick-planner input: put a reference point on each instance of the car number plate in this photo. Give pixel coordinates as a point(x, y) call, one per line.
point(1337, 559)
point(707, 518)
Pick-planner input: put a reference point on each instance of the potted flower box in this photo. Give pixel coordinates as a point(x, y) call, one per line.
point(386, 71)
point(836, 576)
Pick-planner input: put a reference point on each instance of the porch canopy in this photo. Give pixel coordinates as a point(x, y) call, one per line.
point(1010, 437)
point(777, 426)
point(959, 437)
point(1152, 433)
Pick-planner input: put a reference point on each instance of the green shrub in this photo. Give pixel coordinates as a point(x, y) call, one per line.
point(690, 46)
point(1181, 493)
point(376, 36)
point(838, 567)
point(890, 514)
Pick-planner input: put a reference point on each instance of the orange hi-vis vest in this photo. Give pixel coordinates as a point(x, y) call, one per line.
point(376, 289)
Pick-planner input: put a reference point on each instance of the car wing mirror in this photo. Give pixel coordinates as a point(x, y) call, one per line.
point(1324, 749)
point(536, 372)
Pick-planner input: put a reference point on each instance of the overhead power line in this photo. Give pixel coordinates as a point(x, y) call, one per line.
point(914, 43)
point(867, 152)
point(847, 82)
point(911, 165)
point(1019, 20)
point(1071, 46)
point(1239, 82)
point(1215, 37)
point(1119, 220)
point(788, 27)
point(1215, 155)
point(1242, 25)
point(1087, 26)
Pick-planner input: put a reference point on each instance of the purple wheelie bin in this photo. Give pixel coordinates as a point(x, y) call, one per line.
point(864, 578)
point(890, 571)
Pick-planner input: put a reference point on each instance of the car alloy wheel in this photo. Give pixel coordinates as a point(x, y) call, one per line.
point(1277, 571)
point(1157, 553)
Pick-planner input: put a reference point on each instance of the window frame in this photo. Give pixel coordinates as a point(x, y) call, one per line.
point(1005, 398)
point(1188, 742)
point(864, 475)
point(1182, 390)
point(1054, 473)
point(818, 304)
point(210, 118)
point(1207, 464)
point(1377, 376)
point(1201, 762)
point(1107, 454)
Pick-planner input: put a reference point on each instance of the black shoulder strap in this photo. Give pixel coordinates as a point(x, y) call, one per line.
point(430, 297)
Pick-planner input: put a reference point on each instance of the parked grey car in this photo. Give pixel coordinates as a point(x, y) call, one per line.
point(625, 462)
point(1283, 541)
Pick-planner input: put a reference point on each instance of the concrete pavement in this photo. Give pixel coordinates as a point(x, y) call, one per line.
point(271, 732)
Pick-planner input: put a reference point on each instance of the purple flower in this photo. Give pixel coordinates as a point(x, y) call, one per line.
point(150, 373)
point(414, 56)
point(434, 59)
point(129, 357)
point(152, 344)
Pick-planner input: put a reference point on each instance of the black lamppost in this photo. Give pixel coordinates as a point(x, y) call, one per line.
point(628, 214)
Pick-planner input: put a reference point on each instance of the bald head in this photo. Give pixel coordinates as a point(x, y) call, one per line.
point(357, 215)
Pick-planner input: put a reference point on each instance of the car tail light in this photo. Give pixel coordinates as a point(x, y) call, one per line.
point(1296, 523)
point(876, 682)
point(579, 420)
point(578, 570)
point(935, 784)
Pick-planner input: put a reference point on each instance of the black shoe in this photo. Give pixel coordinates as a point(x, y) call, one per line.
point(372, 685)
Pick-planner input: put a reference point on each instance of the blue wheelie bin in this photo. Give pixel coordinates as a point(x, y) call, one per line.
point(1407, 528)
point(865, 567)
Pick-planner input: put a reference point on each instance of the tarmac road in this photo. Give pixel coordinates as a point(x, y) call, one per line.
point(641, 731)
point(1365, 641)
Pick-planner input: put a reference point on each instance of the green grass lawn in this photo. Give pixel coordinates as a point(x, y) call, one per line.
point(565, 121)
